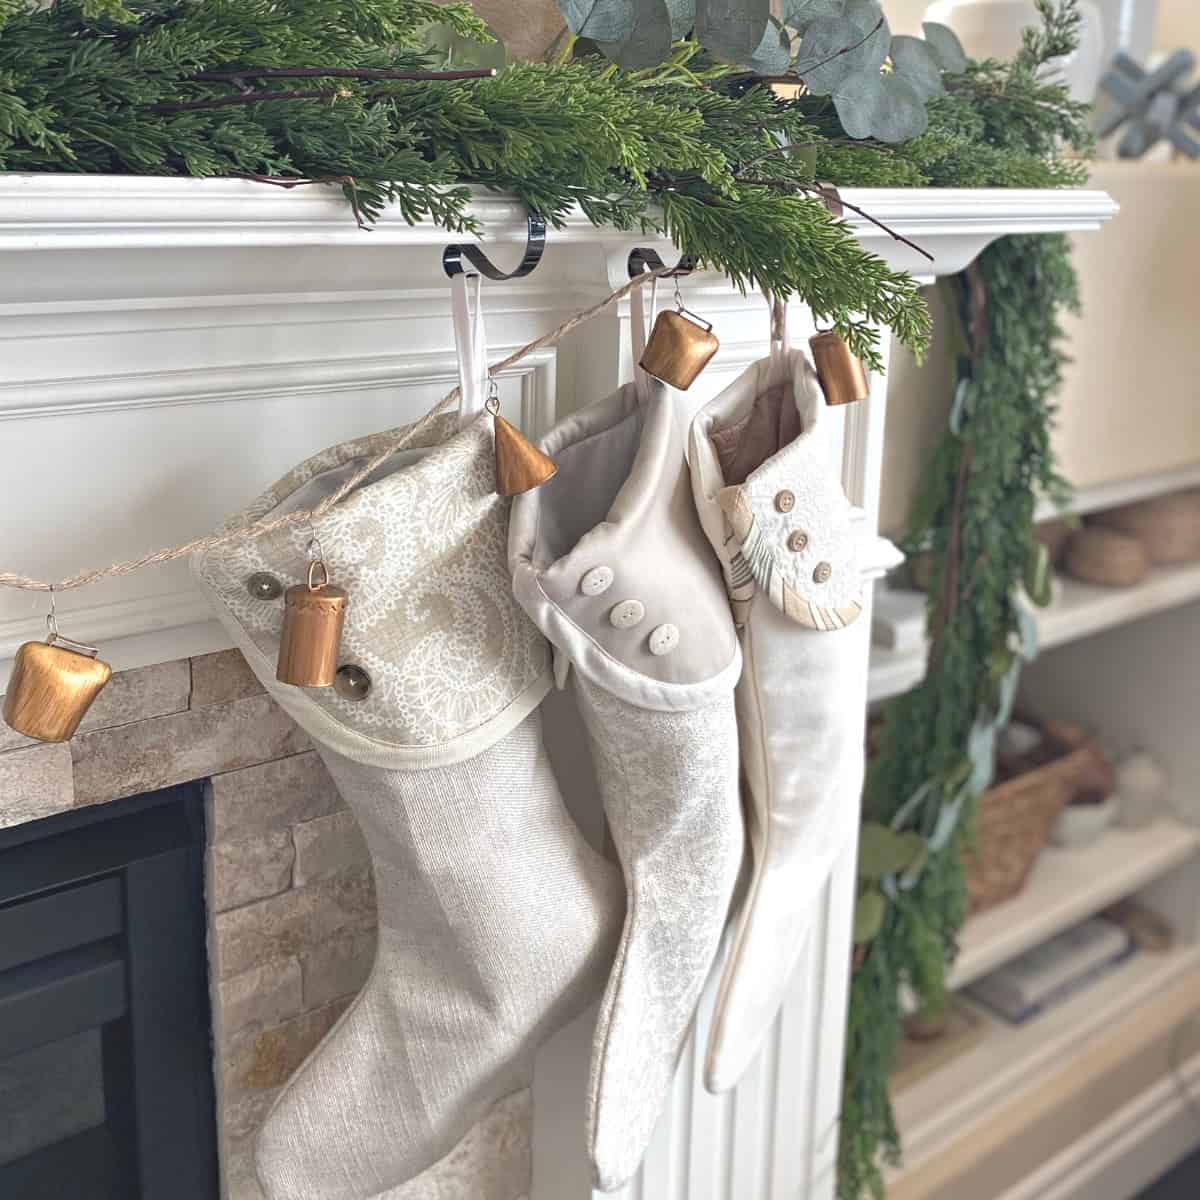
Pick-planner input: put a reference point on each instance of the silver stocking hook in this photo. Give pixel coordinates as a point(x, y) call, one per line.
point(644, 259)
point(535, 247)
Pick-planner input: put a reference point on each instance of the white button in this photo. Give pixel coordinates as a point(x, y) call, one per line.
point(627, 614)
point(597, 581)
point(664, 639)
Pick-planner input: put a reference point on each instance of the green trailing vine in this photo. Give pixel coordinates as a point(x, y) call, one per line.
point(975, 519)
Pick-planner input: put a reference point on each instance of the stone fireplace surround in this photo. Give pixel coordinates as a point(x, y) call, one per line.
point(291, 907)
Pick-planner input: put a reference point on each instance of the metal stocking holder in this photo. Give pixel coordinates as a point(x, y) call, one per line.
point(535, 247)
point(644, 259)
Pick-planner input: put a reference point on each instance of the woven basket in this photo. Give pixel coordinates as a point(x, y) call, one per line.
point(1015, 817)
point(1167, 526)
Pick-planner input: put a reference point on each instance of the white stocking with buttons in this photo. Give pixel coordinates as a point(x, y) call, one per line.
point(795, 564)
point(610, 562)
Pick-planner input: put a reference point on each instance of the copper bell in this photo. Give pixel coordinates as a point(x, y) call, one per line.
point(53, 685)
point(313, 616)
point(843, 378)
point(520, 465)
point(679, 348)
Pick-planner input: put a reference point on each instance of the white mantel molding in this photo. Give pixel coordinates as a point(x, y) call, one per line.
point(91, 212)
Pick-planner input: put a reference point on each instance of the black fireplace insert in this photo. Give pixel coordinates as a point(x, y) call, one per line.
point(106, 1089)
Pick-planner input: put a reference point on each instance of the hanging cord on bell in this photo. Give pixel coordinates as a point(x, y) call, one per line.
point(308, 516)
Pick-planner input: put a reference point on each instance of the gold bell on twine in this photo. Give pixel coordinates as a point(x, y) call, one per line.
point(314, 614)
point(520, 465)
point(53, 685)
point(680, 346)
point(843, 377)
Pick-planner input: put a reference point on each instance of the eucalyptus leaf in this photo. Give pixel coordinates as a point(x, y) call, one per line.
point(826, 55)
point(683, 17)
point(916, 63)
point(800, 14)
point(901, 114)
point(603, 20)
point(981, 750)
point(1037, 575)
point(1026, 631)
point(774, 53)
point(732, 29)
point(874, 35)
point(869, 912)
point(882, 852)
point(856, 99)
point(650, 42)
point(919, 860)
point(944, 43)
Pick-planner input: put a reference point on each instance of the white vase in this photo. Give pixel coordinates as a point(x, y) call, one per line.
point(1128, 25)
point(992, 29)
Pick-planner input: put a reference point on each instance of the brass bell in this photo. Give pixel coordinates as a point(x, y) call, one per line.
point(843, 378)
point(680, 347)
point(53, 685)
point(313, 616)
point(520, 465)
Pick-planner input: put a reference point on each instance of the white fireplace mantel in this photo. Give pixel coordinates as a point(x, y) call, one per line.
point(169, 347)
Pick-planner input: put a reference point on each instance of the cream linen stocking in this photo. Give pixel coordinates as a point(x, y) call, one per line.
point(496, 920)
point(609, 560)
point(796, 563)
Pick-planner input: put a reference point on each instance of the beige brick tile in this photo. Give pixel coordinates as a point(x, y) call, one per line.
point(250, 869)
point(270, 797)
point(137, 758)
point(338, 968)
point(35, 782)
point(221, 677)
point(291, 923)
point(264, 995)
point(328, 846)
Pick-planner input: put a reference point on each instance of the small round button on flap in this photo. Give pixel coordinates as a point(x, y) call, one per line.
point(822, 572)
point(351, 682)
point(627, 614)
point(797, 540)
point(785, 501)
point(263, 586)
point(597, 581)
point(664, 639)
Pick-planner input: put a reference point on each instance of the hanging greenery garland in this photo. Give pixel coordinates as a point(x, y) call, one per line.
point(975, 519)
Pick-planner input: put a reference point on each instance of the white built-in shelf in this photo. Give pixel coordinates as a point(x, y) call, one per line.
point(1015, 1059)
point(1077, 611)
point(1082, 609)
point(1065, 887)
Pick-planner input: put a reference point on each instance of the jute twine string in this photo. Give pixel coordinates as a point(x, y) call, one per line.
point(259, 528)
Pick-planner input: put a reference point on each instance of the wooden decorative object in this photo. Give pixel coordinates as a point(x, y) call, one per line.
point(1054, 535)
point(520, 465)
point(313, 617)
point(842, 375)
point(1168, 527)
point(1106, 557)
point(52, 687)
point(1015, 817)
point(679, 348)
point(965, 1028)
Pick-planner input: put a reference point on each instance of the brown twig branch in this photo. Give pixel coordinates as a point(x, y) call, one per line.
point(287, 181)
point(369, 73)
point(251, 98)
point(798, 77)
point(815, 189)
